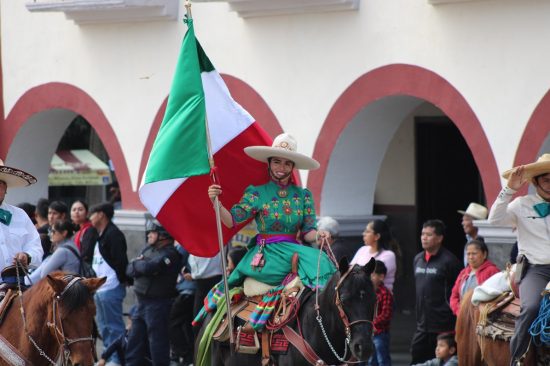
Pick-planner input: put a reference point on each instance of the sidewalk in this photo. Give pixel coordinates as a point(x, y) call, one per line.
point(403, 326)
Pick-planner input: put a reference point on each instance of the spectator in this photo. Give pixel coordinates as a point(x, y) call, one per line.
point(479, 269)
point(110, 260)
point(435, 271)
point(86, 236)
point(377, 238)
point(29, 210)
point(339, 249)
point(120, 344)
point(155, 272)
point(445, 352)
point(62, 258)
point(19, 239)
point(206, 272)
point(41, 216)
point(474, 211)
point(529, 214)
point(57, 210)
point(382, 319)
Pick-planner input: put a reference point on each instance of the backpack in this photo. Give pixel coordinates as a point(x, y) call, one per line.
point(86, 269)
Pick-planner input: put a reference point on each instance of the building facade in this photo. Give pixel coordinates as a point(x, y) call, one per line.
point(412, 107)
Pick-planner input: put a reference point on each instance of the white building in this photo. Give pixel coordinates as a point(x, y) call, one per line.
point(404, 102)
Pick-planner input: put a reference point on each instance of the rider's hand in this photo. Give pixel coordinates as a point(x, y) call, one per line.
point(22, 258)
point(213, 191)
point(517, 178)
point(323, 234)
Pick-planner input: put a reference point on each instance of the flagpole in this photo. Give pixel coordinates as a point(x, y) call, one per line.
point(218, 218)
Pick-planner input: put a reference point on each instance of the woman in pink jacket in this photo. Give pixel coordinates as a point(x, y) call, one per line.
point(479, 269)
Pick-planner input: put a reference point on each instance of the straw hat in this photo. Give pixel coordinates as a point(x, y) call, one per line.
point(284, 146)
point(541, 166)
point(475, 210)
point(14, 177)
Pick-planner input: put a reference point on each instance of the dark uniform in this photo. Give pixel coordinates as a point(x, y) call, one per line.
point(155, 272)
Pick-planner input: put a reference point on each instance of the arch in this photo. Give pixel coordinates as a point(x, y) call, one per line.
point(534, 135)
point(404, 80)
point(243, 94)
point(62, 96)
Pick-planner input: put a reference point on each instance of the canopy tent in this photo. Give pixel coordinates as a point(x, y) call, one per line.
point(78, 168)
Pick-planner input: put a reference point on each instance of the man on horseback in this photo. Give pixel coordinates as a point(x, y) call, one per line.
point(19, 240)
point(529, 214)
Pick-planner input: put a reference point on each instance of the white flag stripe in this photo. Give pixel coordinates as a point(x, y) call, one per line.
point(154, 195)
point(226, 120)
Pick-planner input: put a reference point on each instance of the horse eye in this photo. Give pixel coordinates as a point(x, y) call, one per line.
point(362, 294)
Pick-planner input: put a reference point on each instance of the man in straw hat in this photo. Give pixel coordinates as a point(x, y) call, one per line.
point(19, 239)
point(474, 211)
point(529, 214)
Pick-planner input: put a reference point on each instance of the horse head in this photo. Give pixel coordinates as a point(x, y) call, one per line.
point(72, 316)
point(355, 300)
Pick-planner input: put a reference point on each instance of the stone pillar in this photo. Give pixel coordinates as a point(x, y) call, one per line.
point(499, 240)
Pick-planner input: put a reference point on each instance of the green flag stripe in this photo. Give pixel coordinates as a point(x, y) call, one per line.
point(180, 146)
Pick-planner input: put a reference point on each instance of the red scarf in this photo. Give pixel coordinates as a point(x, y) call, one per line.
point(78, 236)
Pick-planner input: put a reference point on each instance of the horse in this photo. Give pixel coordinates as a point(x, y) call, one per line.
point(53, 320)
point(343, 322)
point(476, 350)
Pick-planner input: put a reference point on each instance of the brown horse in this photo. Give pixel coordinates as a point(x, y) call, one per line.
point(474, 350)
point(56, 322)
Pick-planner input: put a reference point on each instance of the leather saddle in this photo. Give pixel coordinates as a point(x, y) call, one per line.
point(497, 318)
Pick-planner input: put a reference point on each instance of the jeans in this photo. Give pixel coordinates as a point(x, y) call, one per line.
point(150, 332)
point(109, 316)
point(382, 349)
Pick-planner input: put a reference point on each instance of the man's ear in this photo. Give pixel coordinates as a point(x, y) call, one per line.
point(453, 350)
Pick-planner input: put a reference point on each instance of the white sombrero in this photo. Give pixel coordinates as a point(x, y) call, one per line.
point(475, 210)
point(541, 166)
point(14, 177)
point(284, 146)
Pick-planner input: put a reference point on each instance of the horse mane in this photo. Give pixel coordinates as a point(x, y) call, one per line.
point(75, 297)
point(357, 279)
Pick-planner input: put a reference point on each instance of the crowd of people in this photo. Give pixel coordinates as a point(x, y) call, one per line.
point(174, 289)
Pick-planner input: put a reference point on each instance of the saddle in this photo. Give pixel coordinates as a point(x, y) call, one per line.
point(497, 318)
point(247, 340)
point(13, 278)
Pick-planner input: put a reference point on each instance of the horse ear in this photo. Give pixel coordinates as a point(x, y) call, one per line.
point(343, 265)
point(94, 283)
point(56, 283)
point(369, 267)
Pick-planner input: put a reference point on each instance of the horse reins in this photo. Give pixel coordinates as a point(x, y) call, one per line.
point(64, 342)
point(339, 306)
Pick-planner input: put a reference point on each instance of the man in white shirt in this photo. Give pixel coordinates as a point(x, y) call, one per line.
point(19, 239)
point(529, 214)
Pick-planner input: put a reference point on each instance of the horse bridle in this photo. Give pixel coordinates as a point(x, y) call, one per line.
point(340, 307)
point(64, 342)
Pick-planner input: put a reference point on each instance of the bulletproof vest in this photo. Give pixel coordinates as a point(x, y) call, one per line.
point(161, 284)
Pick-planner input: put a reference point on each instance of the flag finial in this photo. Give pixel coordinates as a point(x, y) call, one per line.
point(188, 8)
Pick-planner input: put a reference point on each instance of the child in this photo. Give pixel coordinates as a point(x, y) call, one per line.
point(445, 352)
point(384, 305)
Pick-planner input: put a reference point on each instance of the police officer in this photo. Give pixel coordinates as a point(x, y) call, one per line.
point(155, 272)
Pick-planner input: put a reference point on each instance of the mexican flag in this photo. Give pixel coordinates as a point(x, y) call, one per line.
point(175, 185)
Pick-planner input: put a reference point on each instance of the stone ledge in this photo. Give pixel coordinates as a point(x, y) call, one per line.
point(259, 8)
point(109, 11)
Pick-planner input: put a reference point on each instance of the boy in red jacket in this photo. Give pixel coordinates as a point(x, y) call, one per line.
point(382, 318)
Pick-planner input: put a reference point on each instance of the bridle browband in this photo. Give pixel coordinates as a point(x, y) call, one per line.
point(57, 326)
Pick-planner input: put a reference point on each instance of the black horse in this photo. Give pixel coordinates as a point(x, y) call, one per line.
point(353, 289)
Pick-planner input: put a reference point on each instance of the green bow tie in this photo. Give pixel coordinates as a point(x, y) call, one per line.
point(5, 217)
point(543, 209)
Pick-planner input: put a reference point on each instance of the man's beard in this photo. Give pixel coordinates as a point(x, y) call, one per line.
point(277, 178)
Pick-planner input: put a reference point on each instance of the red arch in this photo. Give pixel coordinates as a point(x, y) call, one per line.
point(400, 79)
point(65, 96)
point(534, 135)
point(243, 94)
